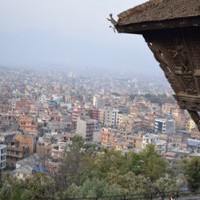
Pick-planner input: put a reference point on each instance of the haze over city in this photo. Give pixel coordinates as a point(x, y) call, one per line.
point(86, 112)
point(68, 34)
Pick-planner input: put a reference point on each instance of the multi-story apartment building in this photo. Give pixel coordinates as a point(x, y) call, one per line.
point(135, 141)
point(164, 125)
point(107, 137)
point(94, 113)
point(2, 156)
point(27, 140)
point(110, 117)
point(16, 152)
point(28, 124)
point(87, 128)
point(149, 139)
point(111, 137)
point(98, 101)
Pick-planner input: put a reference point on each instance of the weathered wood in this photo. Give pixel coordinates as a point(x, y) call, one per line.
point(175, 43)
point(140, 28)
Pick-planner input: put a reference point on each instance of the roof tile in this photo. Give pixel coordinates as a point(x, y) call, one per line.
point(159, 10)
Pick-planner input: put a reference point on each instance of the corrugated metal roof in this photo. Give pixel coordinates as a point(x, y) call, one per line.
point(159, 10)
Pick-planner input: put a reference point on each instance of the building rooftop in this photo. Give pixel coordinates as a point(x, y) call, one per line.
point(193, 142)
point(159, 10)
point(150, 136)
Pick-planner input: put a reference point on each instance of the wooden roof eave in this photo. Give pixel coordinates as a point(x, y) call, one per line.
point(144, 27)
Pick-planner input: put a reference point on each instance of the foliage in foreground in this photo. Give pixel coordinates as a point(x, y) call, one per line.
point(85, 172)
point(192, 174)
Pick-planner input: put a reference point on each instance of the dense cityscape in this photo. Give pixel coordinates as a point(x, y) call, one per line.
point(43, 111)
point(100, 100)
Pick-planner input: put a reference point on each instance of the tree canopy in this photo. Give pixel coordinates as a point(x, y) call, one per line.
point(86, 172)
point(192, 174)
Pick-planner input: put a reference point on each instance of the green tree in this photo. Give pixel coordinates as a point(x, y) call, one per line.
point(167, 184)
point(13, 189)
point(92, 188)
point(160, 98)
point(155, 166)
point(130, 183)
point(135, 163)
point(192, 174)
point(108, 161)
point(84, 172)
point(39, 186)
point(72, 166)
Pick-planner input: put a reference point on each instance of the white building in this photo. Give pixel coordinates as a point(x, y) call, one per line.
point(112, 117)
point(164, 125)
point(2, 156)
point(150, 138)
point(98, 101)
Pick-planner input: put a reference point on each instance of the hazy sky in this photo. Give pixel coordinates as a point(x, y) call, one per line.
point(70, 33)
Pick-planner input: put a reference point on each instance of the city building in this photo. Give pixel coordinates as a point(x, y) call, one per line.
point(16, 152)
point(98, 101)
point(154, 139)
point(164, 125)
point(27, 140)
point(87, 128)
point(135, 141)
point(190, 125)
point(25, 166)
point(107, 137)
point(112, 117)
point(28, 124)
point(3, 150)
point(149, 138)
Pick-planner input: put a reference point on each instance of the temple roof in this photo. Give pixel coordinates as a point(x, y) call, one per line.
point(160, 10)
